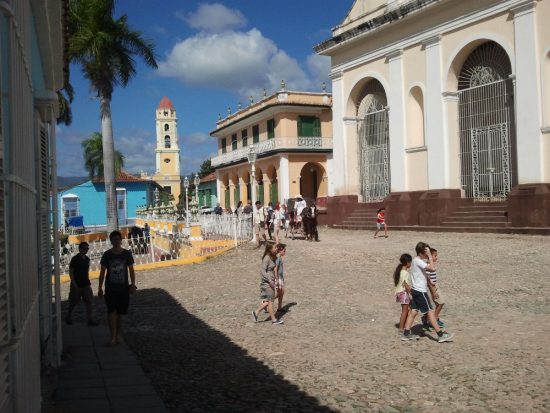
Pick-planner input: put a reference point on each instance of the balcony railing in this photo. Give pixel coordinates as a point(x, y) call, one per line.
point(313, 143)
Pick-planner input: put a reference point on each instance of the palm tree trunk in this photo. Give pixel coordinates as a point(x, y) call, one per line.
point(109, 164)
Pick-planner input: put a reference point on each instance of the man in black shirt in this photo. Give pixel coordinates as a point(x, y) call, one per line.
point(80, 283)
point(117, 265)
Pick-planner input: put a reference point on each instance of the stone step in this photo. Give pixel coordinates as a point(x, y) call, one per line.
point(473, 223)
point(480, 213)
point(478, 218)
point(469, 229)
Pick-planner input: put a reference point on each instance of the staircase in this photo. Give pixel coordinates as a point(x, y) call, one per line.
point(362, 217)
point(482, 215)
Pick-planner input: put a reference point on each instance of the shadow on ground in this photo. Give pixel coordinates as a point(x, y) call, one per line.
point(198, 369)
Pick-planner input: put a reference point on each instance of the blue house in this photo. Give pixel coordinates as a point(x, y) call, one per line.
point(88, 199)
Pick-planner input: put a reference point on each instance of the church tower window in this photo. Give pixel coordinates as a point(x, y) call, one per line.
point(166, 127)
point(167, 142)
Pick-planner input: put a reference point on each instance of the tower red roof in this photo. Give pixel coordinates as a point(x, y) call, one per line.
point(165, 103)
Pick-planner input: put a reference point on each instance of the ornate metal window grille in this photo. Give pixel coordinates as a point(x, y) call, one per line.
point(486, 114)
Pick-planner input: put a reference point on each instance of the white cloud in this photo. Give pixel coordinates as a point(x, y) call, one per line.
point(244, 62)
point(319, 67)
point(214, 18)
point(197, 138)
point(138, 148)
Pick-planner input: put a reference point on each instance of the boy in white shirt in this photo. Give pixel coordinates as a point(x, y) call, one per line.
point(420, 301)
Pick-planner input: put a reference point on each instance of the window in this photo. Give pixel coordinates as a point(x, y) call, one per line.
point(244, 137)
point(309, 126)
point(270, 128)
point(224, 144)
point(234, 142)
point(166, 127)
point(167, 189)
point(167, 141)
point(255, 134)
point(70, 206)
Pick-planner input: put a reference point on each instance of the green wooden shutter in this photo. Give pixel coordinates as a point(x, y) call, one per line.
point(255, 134)
point(317, 127)
point(261, 192)
point(237, 194)
point(227, 199)
point(208, 198)
point(300, 126)
point(274, 193)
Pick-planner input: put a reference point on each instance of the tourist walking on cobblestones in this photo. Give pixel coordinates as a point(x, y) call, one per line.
point(269, 280)
point(278, 221)
point(420, 302)
point(259, 224)
point(435, 292)
point(402, 281)
point(381, 222)
point(281, 252)
point(79, 269)
point(117, 264)
point(286, 219)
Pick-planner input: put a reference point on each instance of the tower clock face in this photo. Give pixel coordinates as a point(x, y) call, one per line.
point(167, 160)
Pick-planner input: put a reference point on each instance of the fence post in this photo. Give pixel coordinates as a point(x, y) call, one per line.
point(235, 230)
point(152, 247)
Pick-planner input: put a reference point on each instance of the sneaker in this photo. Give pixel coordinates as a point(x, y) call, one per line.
point(93, 323)
point(410, 337)
point(277, 322)
point(254, 316)
point(426, 326)
point(445, 337)
point(440, 323)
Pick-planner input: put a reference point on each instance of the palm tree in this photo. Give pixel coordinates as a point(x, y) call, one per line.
point(93, 156)
point(105, 47)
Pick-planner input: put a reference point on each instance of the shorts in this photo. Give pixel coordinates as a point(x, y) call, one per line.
point(420, 302)
point(266, 292)
point(117, 301)
point(380, 225)
point(76, 293)
point(281, 282)
point(403, 297)
point(259, 229)
point(441, 299)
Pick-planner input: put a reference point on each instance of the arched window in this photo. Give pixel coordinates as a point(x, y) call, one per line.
point(166, 127)
point(415, 118)
point(167, 141)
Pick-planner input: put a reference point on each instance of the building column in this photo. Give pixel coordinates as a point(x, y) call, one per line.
point(284, 178)
point(527, 95)
point(242, 190)
point(397, 123)
point(219, 188)
point(450, 113)
point(267, 189)
point(436, 136)
point(231, 195)
point(338, 182)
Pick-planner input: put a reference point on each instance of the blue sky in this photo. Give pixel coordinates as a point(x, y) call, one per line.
point(211, 55)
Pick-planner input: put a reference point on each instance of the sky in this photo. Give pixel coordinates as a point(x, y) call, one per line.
point(211, 55)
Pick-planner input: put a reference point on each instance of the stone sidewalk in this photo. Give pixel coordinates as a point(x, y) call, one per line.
point(96, 378)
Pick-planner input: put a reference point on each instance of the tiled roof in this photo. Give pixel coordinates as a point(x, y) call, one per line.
point(123, 177)
point(166, 103)
point(209, 178)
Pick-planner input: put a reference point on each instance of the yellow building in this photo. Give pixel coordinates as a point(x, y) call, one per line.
point(291, 133)
point(167, 173)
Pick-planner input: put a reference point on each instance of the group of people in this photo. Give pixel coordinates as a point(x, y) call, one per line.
point(272, 283)
point(413, 279)
point(117, 272)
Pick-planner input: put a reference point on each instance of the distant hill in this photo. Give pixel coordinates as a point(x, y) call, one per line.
point(68, 181)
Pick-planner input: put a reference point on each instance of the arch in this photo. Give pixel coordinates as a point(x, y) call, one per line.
point(486, 113)
point(312, 182)
point(356, 92)
point(167, 143)
point(463, 50)
point(166, 127)
point(415, 118)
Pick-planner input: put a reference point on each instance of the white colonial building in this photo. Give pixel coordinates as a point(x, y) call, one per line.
point(442, 102)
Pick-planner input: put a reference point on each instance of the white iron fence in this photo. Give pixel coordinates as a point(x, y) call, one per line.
point(166, 242)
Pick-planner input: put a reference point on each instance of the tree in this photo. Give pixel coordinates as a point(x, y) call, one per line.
point(93, 156)
point(206, 168)
point(105, 48)
point(65, 97)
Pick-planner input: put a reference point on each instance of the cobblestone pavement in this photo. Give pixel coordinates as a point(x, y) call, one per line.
point(339, 349)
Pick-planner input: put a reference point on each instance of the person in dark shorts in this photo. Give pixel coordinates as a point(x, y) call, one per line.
point(116, 265)
point(81, 288)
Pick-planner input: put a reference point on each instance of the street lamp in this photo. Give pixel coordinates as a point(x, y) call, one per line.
point(186, 186)
point(252, 155)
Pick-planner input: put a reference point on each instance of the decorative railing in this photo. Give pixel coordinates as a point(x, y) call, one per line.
point(313, 143)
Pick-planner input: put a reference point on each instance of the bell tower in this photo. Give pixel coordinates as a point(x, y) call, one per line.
point(167, 173)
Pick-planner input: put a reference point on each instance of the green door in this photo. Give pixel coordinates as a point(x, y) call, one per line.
point(237, 194)
point(260, 193)
point(227, 200)
point(274, 192)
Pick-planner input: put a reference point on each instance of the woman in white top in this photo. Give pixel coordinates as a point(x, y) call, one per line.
point(278, 218)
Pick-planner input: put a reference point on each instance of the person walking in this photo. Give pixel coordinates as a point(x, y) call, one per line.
point(281, 252)
point(402, 282)
point(79, 271)
point(259, 223)
point(381, 222)
point(269, 280)
point(117, 265)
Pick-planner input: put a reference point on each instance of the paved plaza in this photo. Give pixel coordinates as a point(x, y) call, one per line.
point(339, 350)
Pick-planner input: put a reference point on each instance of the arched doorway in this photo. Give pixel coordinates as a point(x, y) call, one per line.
point(311, 179)
point(486, 122)
point(374, 142)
